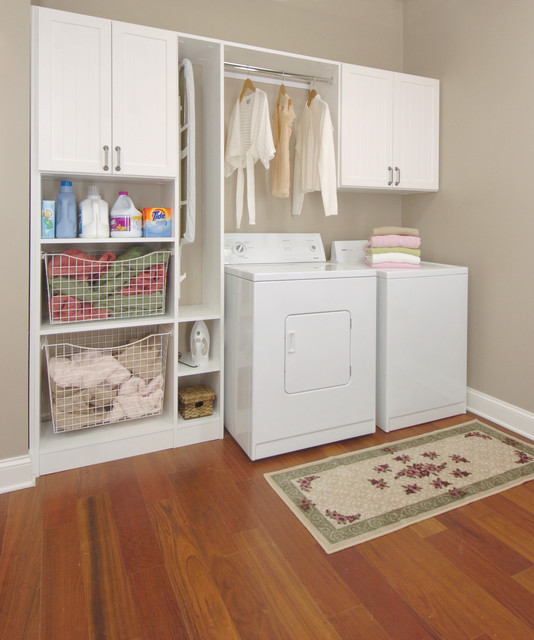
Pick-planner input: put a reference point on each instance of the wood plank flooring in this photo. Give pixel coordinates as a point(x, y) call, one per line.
point(192, 544)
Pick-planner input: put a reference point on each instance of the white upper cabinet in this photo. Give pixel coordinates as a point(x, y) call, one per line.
point(389, 134)
point(107, 96)
point(145, 100)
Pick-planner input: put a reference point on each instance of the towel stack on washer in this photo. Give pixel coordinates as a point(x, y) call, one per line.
point(394, 247)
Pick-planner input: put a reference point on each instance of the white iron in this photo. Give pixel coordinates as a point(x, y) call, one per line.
point(200, 343)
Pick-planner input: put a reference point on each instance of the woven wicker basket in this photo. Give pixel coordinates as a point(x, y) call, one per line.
point(195, 401)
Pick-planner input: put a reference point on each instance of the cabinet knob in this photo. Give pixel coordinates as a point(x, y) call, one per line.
point(397, 181)
point(118, 152)
point(106, 157)
point(390, 181)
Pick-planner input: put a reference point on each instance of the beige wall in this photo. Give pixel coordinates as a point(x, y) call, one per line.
point(482, 52)
point(365, 31)
point(14, 190)
point(483, 215)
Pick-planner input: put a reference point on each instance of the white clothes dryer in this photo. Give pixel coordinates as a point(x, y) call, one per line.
point(421, 340)
point(299, 344)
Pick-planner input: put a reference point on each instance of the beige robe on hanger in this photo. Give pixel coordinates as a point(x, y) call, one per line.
point(282, 125)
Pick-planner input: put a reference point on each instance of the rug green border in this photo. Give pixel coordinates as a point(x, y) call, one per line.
point(332, 539)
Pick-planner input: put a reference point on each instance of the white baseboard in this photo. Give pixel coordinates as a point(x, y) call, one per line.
point(507, 415)
point(16, 473)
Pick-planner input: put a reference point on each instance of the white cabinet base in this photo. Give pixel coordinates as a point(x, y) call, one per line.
point(198, 430)
point(101, 444)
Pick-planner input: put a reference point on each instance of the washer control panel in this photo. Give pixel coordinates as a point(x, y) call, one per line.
point(272, 248)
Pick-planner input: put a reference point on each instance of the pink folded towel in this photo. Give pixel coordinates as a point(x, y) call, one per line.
point(392, 265)
point(394, 240)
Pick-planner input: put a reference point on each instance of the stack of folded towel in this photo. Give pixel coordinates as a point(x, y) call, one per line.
point(394, 247)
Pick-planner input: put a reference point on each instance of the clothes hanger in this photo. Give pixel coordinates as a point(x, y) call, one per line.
point(313, 93)
point(246, 85)
point(281, 93)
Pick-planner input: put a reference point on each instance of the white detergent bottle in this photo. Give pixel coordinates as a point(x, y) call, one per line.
point(125, 220)
point(93, 218)
point(200, 343)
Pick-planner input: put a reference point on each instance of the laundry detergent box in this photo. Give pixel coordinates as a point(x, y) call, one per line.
point(156, 222)
point(48, 217)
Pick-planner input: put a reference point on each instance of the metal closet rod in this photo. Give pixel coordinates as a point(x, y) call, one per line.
point(276, 72)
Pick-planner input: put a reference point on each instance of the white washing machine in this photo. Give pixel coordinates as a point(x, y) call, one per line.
point(299, 344)
point(421, 340)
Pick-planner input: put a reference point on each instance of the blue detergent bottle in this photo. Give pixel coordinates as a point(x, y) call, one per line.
point(66, 211)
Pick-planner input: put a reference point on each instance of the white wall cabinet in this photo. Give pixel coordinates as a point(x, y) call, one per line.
point(389, 133)
point(107, 96)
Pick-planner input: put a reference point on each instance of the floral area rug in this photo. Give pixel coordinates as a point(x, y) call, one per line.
point(354, 497)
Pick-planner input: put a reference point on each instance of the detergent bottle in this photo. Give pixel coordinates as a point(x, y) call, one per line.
point(65, 211)
point(126, 221)
point(93, 216)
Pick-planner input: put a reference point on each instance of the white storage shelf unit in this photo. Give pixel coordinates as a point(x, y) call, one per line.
point(149, 186)
point(201, 292)
point(51, 451)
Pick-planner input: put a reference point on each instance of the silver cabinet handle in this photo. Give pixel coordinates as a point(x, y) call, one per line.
point(397, 171)
point(106, 157)
point(390, 181)
point(118, 151)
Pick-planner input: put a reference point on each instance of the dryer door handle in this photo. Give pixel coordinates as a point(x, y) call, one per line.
point(291, 342)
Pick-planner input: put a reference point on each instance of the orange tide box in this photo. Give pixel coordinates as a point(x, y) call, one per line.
point(156, 222)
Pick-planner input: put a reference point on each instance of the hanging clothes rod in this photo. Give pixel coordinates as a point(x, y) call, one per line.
point(284, 74)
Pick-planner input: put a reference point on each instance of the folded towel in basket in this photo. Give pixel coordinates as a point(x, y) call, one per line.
point(137, 398)
point(87, 369)
point(74, 263)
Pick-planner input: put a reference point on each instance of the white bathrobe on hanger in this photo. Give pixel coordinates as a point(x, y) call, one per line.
point(315, 158)
point(249, 139)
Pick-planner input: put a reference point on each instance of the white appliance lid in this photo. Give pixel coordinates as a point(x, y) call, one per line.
point(298, 271)
point(426, 269)
point(352, 252)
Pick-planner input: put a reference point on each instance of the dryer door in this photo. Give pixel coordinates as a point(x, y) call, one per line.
point(318, 351)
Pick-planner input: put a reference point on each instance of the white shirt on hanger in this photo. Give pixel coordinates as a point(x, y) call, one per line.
point(249, 139)
point(315, 160)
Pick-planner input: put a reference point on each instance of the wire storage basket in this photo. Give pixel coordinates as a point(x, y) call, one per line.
point(105, 377)
point(83, 287)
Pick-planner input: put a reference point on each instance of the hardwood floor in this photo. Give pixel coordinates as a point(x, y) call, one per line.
point(193, 544)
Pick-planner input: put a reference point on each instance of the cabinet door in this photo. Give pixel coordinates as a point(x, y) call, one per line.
point(74, 91)
point(416, 132)
point(366, 127)
point(145, 70)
